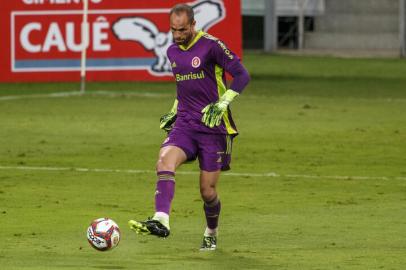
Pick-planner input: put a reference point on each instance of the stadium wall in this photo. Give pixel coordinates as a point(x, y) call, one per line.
point(355, 27)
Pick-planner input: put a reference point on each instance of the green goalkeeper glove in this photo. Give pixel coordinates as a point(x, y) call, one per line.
point(167, 120)
point(213, 113)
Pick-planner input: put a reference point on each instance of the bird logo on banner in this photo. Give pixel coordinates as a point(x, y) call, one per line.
point(145, 32)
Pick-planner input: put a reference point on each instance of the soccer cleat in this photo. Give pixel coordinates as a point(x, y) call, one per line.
point(209, 243)
point(150, 226)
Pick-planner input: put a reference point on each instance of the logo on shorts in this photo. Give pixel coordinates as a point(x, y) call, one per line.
point(196, 62)
point(166, 140)
point(220, 159)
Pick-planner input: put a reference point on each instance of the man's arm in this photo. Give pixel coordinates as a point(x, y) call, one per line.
point(240, 76)
point(213, 113)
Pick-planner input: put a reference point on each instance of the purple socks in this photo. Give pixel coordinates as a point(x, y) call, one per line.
point(212, 211)
point(165, 189)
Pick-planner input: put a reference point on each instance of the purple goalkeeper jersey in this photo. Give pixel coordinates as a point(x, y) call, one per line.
point(199, 72)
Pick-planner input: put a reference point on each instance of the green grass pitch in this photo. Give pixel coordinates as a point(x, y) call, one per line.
point(319, 183)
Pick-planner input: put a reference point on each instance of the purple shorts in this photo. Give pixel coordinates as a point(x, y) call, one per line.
point(212, 150)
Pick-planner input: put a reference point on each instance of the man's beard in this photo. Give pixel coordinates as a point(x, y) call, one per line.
point(185, 41)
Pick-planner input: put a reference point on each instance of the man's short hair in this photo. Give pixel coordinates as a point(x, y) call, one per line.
point(183, 8)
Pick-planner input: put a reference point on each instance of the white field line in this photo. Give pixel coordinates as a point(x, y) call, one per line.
point(117, 93)
point(92, 93)
point(51, 95)
point(135, 171)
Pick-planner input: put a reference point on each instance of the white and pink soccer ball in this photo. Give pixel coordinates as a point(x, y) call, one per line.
point(103, 234)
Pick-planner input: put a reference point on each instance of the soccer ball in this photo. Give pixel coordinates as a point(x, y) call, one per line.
point(103, 234)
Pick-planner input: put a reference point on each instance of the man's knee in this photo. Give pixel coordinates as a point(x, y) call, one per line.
point(165, 164)
point(170, 157)
point(208, 193)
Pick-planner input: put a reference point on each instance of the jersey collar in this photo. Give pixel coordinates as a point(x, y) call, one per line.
point(197, 37)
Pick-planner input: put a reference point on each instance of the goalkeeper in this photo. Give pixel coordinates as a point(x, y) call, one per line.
point(199, 125)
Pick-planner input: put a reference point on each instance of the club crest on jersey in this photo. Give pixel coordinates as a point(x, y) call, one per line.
point(196, 62)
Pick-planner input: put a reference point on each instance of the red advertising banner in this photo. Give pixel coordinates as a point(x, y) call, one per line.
point(42, 39)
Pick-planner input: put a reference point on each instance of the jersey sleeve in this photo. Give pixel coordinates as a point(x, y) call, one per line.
point(169, 54)
point(231, 63)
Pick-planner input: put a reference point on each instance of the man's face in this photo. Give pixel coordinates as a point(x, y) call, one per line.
point(182, 30)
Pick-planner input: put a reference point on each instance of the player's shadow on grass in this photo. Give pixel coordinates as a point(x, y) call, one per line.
point(236, 259)
point(109, 267)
